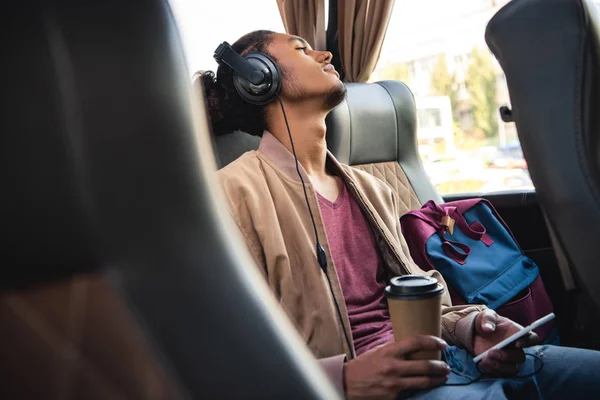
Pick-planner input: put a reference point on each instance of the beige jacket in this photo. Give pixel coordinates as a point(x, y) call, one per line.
point(267, 202)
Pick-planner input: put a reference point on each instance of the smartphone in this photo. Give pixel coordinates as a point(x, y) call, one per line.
point(516, 336)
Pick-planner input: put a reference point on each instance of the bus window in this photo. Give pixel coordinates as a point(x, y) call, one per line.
point(439, 51)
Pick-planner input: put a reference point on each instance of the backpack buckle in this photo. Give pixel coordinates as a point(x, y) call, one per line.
point(448, 223)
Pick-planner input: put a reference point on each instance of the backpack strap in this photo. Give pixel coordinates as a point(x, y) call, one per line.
point(443, 219)
point(438, 214)
point(455, 250)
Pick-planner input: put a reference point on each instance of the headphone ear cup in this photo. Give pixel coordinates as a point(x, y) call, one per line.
point(267, 91)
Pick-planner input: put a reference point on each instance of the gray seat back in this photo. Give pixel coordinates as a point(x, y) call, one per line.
point(375, 129)
point(549, 52)
point(231, 146)
point(123, 274)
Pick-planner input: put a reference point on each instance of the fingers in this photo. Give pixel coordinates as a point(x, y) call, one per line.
point(380, 373)
point(486, 321)
point(502, 362)
point(531, 339)
point(510, 356)
point(491, 366)
point(417, 343)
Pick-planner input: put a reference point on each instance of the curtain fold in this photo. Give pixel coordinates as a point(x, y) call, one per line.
point(362, 26)
point(305, 18)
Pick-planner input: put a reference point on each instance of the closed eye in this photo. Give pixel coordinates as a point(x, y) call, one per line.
point(301, 48)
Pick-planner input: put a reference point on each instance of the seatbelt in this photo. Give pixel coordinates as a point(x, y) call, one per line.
point(561, 258)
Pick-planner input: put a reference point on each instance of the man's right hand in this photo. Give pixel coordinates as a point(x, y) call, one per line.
point(383, 372)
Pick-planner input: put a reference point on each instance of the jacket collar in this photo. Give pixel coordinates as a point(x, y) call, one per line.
point(276, 152)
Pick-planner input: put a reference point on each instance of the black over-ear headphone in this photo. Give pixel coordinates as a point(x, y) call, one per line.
point(256, 77)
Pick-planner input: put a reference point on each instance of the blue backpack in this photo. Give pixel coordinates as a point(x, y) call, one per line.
point(478, 256)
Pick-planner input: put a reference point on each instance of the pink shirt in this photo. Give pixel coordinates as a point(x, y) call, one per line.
point(359, 269)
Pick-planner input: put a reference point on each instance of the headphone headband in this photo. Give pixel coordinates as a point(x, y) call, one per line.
point(225, 54)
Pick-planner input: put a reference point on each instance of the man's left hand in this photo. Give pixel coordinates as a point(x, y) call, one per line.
point(491, 329)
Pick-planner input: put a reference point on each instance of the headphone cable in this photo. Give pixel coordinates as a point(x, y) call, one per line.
point(321, 256)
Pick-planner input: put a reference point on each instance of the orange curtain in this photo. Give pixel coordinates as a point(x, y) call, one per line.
point(305, 18)
point(362, 26)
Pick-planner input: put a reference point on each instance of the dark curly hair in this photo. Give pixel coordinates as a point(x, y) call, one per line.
point(227, 110)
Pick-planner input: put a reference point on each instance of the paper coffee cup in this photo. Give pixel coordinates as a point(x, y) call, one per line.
point(415, 305)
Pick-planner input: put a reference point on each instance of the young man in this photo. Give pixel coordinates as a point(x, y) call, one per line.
point(357, 221)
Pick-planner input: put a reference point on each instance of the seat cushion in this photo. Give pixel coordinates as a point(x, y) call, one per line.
point(391, 173)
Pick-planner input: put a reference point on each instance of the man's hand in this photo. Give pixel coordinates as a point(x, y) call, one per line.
point(490, 329)
point(384, 371)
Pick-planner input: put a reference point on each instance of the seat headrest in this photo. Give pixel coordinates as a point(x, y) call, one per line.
point(378, 123)
point(89, 98)
point(372, 123)
point(231, 146)
point(51, 97)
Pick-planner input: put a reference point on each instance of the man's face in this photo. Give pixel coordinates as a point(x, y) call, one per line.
point(307, 74)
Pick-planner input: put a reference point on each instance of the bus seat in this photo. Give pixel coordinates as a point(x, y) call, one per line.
point(549, 51)
point(231, 146)
point(123, 277)
point(375, 129)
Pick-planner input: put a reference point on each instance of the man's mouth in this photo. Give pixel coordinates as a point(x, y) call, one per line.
point(330, 68)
